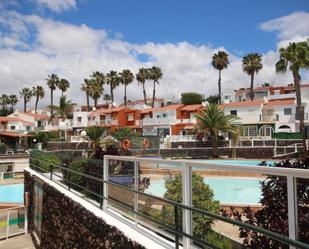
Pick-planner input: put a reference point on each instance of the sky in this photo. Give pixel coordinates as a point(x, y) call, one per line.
point(73, 38)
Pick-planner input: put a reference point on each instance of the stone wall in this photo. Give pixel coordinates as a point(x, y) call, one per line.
point(204, 153)
point(67, 224)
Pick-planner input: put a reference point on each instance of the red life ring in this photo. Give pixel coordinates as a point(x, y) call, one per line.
point(126, 144)
point(146, 143)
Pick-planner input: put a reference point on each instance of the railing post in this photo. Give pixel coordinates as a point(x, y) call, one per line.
point(187, 201)
point(252, 142)
point(136, 189)
point(51, 171)
point(176, 218)
point(292, 208)
point(69, 180)
point(26, 220)
point(8, 224)
point(105, 185)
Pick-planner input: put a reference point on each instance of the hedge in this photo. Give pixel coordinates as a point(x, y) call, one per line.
point(287, 135)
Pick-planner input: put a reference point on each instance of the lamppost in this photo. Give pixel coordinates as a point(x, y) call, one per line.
point(34, 141)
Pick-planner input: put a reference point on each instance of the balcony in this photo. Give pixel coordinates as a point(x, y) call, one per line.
point(108, 122)
point(269, 117)
point(281, 96)
point(154, 121)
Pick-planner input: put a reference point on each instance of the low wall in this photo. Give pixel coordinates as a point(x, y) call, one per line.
point(250, 153)
point(68, 224)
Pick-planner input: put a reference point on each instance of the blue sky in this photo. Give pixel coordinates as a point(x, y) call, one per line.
point(75, 37)
point(231, 24)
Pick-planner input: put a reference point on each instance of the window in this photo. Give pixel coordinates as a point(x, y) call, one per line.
point(287, 111)
point(164, 115)
point(249, 131)
point(79, 119)
point(13, 127)
point(234, 112)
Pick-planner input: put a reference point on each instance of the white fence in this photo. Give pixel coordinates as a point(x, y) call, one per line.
point(13, 221)
point(186, 167)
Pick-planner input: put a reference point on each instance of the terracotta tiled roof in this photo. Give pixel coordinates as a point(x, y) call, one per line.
point(192, 108)
point(244, 103)
point(13, 119)
point(37, 116)
point(14, 134)
point(280, 102)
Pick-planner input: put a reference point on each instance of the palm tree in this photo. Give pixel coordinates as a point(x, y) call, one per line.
point(251, 64)
point(296, 57)
point(106, 98)
point(39, 93)
point(126, 77)
point(155, 73)
point(141, 78)
point(13, 101)
point(212, 121)
point(65, 108)
point(4, 101)
point(99, 77)
point(94, 135)
point(52, 82)
point(86, 88)
point(220, 61)
point(95, 91)
point(63, 85)
point(113, 80)
point(26, 95)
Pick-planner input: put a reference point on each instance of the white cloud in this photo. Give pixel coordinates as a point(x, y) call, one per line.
point(57, 5)
point(74, 51)
point(293, 27)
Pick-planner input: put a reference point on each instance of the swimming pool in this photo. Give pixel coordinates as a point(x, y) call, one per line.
point(232, 190)
point(12, 193)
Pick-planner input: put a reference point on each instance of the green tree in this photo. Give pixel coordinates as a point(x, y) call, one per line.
point(155, 74)
point(252, 64)
point(296, 57)
point(100, 78)
point(212, 121)
point(202, 198)
point(63, 85)
point(220, 61)
point(212, 99)
point(52, 83)
point(65, 108)
point(191, 98)
point(123, 133)
point(106, 98)
point(26, 95)
point(4, 101)
point(113, 80)
point(39, 93)
point(94, 135)
point(13, 101)
point(87, 89)
point(141, 78)
point(126, 78)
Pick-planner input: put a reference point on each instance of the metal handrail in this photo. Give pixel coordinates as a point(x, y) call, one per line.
point(265, 232)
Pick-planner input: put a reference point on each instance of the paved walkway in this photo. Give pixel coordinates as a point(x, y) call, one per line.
point(18, 242)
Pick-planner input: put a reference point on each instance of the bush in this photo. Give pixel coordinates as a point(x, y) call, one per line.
point(43, 161)
point(2, 147)
point(287, 135)
point(274, 214)
point(191, 98)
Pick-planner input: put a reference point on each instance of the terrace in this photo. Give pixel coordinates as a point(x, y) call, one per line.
point(123, 190)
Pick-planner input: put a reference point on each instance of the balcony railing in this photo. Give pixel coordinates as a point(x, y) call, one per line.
point(114, 186)
point(148, 121)
point(269, 117)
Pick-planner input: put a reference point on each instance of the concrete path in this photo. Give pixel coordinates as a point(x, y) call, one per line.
point(18, 242)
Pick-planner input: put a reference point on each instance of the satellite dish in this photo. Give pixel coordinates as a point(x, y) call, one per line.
point(114, 104)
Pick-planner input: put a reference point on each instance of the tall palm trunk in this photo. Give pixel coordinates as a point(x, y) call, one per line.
point(87, 99)
point(144, 92)
point(25, 105)
point(61, 93)
point(125, 95)
point(36, 105)
point(219, 87)
point(95, 102)
point(215, 153)
point(51, 102)
point(153, 93)
point(112, 93)
point(300, 110)
point(251, 87)
point(12, 106)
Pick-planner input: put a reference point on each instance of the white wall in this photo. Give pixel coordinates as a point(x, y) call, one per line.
point(245, 114)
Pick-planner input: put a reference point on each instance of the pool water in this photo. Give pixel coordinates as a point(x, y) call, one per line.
point(12, 193)
point(226, 190)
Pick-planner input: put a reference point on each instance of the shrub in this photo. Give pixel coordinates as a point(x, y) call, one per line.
point(287, 135)
point(43, 160)
point(2, 147)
